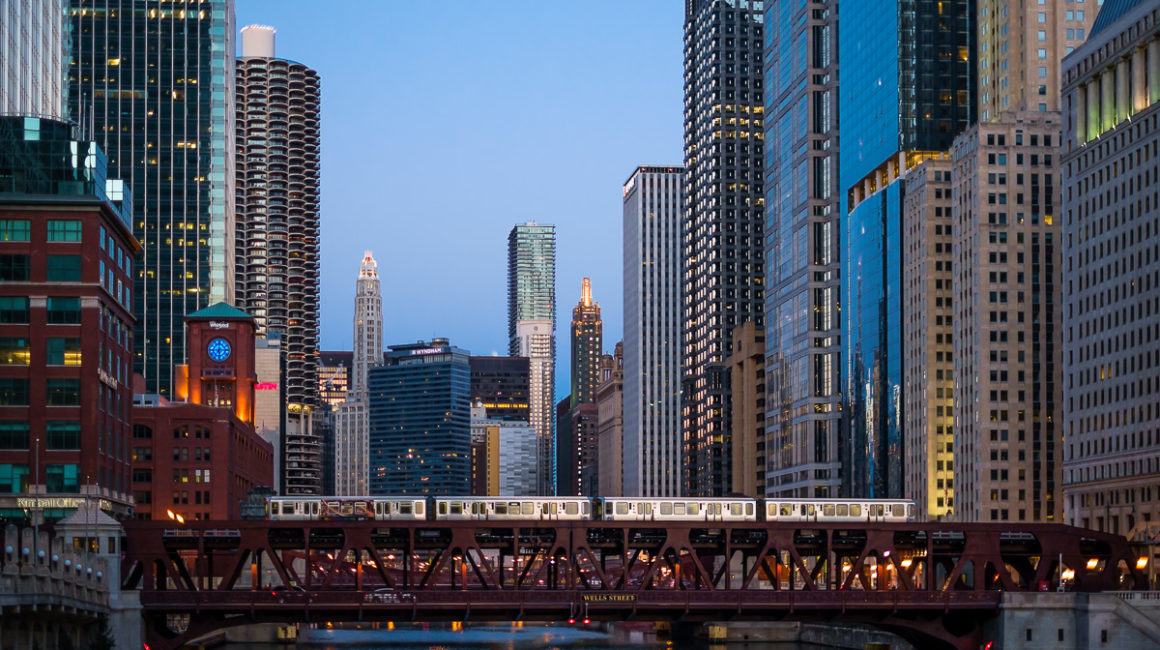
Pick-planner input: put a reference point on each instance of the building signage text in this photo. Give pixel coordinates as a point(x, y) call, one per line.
point(266, 385)
point(428, 351)
point(42, 503)
point(218, 325)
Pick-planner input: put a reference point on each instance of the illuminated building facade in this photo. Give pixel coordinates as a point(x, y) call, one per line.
point(164, 114)
point(724, 269)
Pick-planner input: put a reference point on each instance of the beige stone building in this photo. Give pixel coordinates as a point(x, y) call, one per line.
point(746, 367)
point(1006, 255)
point(1111, 277)
point(927, 338)
point(1020, 46)
point(610, 424)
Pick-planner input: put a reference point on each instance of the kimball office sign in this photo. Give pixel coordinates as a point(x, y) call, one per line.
point(46, 503)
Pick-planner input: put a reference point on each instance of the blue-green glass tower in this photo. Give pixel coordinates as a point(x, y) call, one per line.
point(152, 83)
point(420, 420)
point(908, 88)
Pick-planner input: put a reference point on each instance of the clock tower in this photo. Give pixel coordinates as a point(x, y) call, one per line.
point(221, 369)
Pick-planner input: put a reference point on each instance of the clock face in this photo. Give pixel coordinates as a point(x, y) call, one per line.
point(218, 349)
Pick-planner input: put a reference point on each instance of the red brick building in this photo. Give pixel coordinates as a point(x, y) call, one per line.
point(66, 329)
point(200, 458)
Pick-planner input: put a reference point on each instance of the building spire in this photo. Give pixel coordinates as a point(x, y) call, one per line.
point(586, 293)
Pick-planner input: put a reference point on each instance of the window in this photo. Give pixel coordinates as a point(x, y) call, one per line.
point(64, 311)
point(63, 268)
point(14, 351)
point(13, 391)
point(64, 230)
point(14, 229)
point(63, 435)
point(63, 351)
point(13, 310)
point(14, 268)
point(64, 392)
point(60, 478)
point(13, 435)
point(142, 476)
point(13, 478)
point(142, 432)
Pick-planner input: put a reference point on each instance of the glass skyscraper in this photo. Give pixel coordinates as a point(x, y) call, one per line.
point(420, 420)
point(153, 82)
point(802, 324)
point(532, 331)
point(907, 91)
point(33, 37)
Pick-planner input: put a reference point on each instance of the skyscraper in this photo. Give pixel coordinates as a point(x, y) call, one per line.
point(33, 36)
point(587, 342)
point(802, 251)
point(420, 420)
point(351, 418)
point(906, 91)
point(164, 113)
point(652, 333)
point(277, 204)
point(1111, 273)
point(724, 270)
point(500, 385)
point(532, 330)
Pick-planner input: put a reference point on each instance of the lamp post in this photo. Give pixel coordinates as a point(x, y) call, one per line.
point(35, 497)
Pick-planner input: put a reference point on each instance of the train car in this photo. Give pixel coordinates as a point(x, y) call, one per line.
point(508, 508)
point(344, 508)
point(674, 509)
point(838, 510)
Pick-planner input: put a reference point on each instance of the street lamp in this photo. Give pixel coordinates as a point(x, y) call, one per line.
point(175, 517)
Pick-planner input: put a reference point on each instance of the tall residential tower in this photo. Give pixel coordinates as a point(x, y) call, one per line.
point(33, 37)
point(724, 269)
point(532, 331)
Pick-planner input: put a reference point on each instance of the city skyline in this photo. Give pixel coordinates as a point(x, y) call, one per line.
point(562, 79)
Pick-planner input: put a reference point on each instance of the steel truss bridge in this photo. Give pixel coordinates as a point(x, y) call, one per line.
point(932, 583)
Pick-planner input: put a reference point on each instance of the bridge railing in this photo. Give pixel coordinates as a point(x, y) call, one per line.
point(44, 571)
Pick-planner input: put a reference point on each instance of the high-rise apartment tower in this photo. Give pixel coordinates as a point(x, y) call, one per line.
point(33, 37)
point(724, 269)
point(532, 331)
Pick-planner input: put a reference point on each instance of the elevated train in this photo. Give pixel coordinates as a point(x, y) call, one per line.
point(727, 509)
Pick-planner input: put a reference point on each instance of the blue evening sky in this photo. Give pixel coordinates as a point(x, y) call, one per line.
point(446, 123)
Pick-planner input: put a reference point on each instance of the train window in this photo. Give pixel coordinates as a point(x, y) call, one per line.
point(878, 510)
point(418, 507)
point(828, 510)
point(910, 511)
point(527, 508)
point(786, 509)
point(621, 508)
point(898, 510)
point(856, 509)
point(378, 508)
point(501, 508)
point(314, 508)
point(554, 508)
point(770, 509)
point(694, 509)
point(667, 509)
point(475, 508)
point(457, 507)
point(273, 507)
point(647, 508)
point(843, 510)
point(813, 510)
point(405, 508)
point(749, 510)
point(735, 509)
point(584, 508)
point(442, 507)
point(571, 508)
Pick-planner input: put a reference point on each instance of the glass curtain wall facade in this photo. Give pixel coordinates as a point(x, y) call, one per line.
point(721, 232)
point(420, 421)
point(907, 92)
point(532, 331)
point(802, 336)
point(33, 46)
point(154, 81)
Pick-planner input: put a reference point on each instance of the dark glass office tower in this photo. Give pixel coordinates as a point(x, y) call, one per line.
point(803, 284)
point(722, 227)
point(907, 90)
point(501, 384)
point(153, 83)
point(420, 420)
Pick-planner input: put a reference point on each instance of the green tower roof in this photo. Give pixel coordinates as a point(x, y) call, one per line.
point(220, 310)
